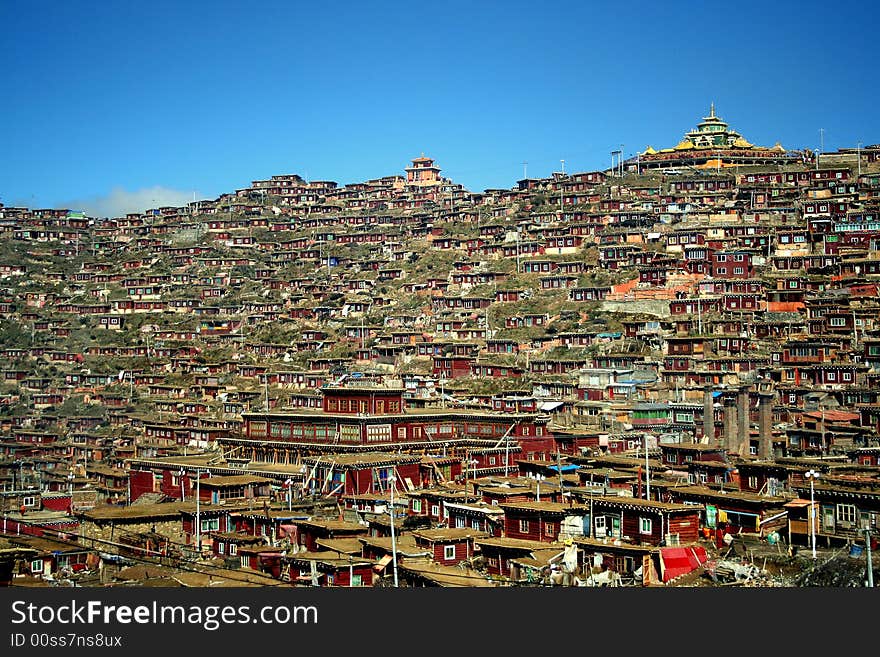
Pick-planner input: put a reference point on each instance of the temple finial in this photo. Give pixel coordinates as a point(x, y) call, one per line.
point(712, 109)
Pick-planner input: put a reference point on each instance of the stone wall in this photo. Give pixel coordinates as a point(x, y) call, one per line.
point(657, 307)
point(116, 531)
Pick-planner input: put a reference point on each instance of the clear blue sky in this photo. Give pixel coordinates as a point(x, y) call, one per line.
point(108, 103)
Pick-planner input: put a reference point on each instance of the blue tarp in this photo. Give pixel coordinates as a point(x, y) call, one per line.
point(565, 468)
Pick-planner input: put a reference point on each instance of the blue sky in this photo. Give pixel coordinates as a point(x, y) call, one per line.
point(109, 105)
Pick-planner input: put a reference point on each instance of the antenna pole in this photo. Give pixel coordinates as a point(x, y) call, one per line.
point(391, 513)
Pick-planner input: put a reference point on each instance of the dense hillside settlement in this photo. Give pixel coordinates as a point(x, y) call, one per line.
point(666, 373)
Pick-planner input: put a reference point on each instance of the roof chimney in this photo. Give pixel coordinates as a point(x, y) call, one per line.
point(729, 437)
point(742, 428)
point(708, 416)
point(765, 425)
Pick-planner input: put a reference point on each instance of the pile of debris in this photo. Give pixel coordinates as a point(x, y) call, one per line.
point(839, 571)
point(728, 571)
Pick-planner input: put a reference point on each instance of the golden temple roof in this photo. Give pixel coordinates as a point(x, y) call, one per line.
point(742, 143)
point(649, 151)
point(684, 144)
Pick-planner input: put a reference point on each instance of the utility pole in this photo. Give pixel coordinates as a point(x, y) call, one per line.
point(859, 158)
point(391, 513)
point(561, 189)
point(867, 531)
point(559, 469)
point(517, 246)
point(198, 516)
point(699, 316)
point(647, 472)
point(525, 170)
point(812, 475)
point(616, 168)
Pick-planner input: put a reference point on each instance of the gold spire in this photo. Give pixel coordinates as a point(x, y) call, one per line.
point(712, 109)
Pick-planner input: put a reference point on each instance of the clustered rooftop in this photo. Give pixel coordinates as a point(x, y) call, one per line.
point(610, 363)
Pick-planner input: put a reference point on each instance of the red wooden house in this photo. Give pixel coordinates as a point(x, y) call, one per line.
point(448, 546)
point(546, 522)
point(478, 516)
point(644, 521)
point(326, 568)
point(500, 552)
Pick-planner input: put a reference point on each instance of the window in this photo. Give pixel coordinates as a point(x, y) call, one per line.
point(435, 509)
point(37, 566)
point(28, 501)
point(356, 580)
point(737, 270)
point(221, 548)
point(379, 433)
point(448, 552)
point(233, 549)
point(524, 526)
point(459, 521)
point(211, 525)
point(846, 513)
point(753, 482)
point(417, 506)
point(549, 529)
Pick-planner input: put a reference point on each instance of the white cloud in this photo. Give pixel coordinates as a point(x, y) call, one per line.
point(120, 202)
